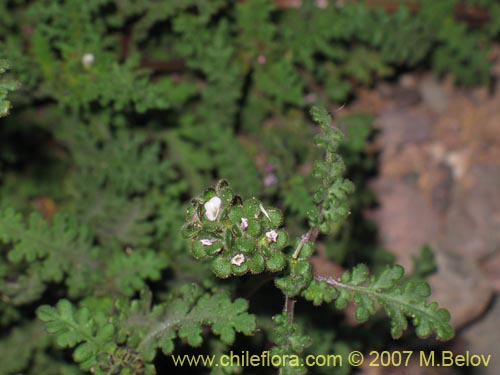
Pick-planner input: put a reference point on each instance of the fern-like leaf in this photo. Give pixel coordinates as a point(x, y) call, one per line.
point(398, 297)
point(129, 270)
point(331, 188)
point(55, 250)
point(81, 329)
point(147, 328)
point(14, 361)
point(290, 343)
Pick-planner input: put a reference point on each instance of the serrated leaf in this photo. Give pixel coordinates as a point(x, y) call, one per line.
point(73, 326)
point(60, 249)
point(399, 298)
point(359, 274)
point(147, 328)
point(388, 277)
point(319, 292)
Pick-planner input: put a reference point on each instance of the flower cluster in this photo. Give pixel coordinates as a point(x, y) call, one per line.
point(237, 236)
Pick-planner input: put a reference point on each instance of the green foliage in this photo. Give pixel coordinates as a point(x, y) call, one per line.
point(6, 85)
point(290, 343)
point(331, 189)
point(90, 334)
point(16, 360)
point(184, 316)
point(399, 300)
point(299, 274)
point(126, 338)
point(230, 231)
point(46, 253)
point(120, 111)
point(424, 264)
point(64, 251)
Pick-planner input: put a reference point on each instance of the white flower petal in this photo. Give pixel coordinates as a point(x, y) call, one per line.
point(238, 259)
point(88, 60)
point(205, 242)
point(244, 223)
point(212, 208)
point(272, 235)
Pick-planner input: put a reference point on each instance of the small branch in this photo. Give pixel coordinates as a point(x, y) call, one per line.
point(331, 281)
point(289, 308)
point(124, 44)
point(311, 236)
point(176, 65)
point(303, 240)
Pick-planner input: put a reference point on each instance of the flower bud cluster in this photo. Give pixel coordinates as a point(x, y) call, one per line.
point(236, 236)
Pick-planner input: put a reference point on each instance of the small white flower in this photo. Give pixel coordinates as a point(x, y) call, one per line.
point(205, 242)
point(272, 235)
point(244, 223)
point(238, 259)
point(212, 208)
point(88, 60)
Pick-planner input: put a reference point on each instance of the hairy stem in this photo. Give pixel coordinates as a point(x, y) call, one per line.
point(289, 308)
point(311, 236)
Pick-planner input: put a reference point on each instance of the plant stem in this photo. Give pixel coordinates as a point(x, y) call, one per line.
point(289, 308)
point(311, 236)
